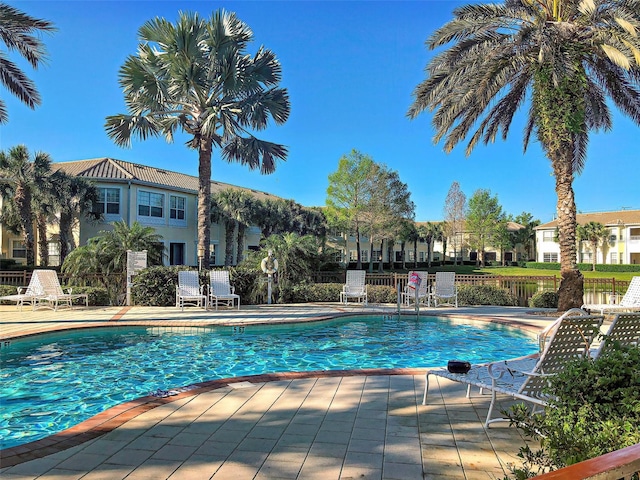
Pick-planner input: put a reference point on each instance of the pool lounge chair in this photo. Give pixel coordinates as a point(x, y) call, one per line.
point(189, 291)
point(630, 301)
point(27, 295)
point(54, 295)
point(420, 294)
point(354, 287)
point(624, 331)
point(445, 292)
point(526, 378)
point(220, 289)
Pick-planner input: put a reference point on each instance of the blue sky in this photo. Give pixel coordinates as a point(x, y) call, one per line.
point(350, 68)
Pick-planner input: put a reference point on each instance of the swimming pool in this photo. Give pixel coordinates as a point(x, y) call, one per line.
point(54, 381)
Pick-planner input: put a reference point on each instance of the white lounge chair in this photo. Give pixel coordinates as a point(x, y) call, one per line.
point(420, 294)
point(189, 291)
point(355, 287)
point(27, 295)
point(445, 292)
point(526, 378)
point(220, 289)
point(630, 301)
point(624, 331)
point(54, 295)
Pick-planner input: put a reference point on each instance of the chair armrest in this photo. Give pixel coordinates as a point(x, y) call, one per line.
point(233, 290)
point(20, 289)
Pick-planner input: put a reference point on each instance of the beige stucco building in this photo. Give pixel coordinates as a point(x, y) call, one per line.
point(162, 199)
point(622, 246)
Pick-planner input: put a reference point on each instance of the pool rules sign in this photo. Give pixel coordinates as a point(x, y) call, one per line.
point(136, 261)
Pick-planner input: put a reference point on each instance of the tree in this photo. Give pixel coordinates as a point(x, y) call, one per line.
point(595, 233)
point(484, 219)
point(24, 180)
point(17, 31)
point(527, 235)
point(236, 207)
point(348, 194)
point(454, 213)
point(569, 56)
point(105, 257)
point(76, 198)
point(196, 76)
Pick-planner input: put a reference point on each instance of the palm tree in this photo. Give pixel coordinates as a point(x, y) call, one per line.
point(76, 199)
point(594, 233)
point(196, 76)
point(24, 181)
point(235, 207)
point(105, 257)
point(568, 56)
point(17, 33)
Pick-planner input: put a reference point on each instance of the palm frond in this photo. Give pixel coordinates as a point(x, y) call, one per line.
point(254, 153)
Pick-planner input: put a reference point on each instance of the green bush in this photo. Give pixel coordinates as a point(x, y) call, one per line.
point(544, 300)
point(7, 290)
point(595, 409)
point(585, 267)
point(155, 286)
point(97, 296)
point(330, 292)
point(485, 295)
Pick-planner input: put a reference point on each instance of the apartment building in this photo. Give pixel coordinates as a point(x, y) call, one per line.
point(162, 199)
point(621, 247)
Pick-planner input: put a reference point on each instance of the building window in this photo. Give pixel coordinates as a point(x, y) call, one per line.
point(150, 204)
point(587, 257)
point(550, 257)
point(177, 207)
point(18, 249)
point(614, 257)
point(353, 255)
point(365, 255)
point(411, 257)
point(376, 255)
point(176, 254)
point(547, 236)
point(108, 201)
point(54, 253)
point(421, 256)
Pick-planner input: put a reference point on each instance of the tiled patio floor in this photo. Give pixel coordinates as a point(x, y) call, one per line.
point(344, 425)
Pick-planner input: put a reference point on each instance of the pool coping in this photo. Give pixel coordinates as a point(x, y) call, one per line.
point(115, 416)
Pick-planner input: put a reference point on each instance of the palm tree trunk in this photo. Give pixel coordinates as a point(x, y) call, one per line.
point(571, 287)
point(43, 247)
point(358, 255)
point(229, 230)
point(66, 235)
point(22, 199)
point(241, 230)
point(415, 254)
point(204, 199)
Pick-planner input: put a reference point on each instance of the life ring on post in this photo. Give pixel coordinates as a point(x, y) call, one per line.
point(269, 264)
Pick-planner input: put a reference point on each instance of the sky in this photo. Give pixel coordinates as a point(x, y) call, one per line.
point(350, 68)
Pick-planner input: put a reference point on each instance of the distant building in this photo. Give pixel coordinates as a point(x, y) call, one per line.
point(622, 247)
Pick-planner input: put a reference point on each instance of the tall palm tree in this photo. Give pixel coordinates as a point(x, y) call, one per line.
point(24, 180)
point(568, 56)
point(76, 199)
point(196, 76)
point(595, 233)
point(235, 207)
point(17, 31)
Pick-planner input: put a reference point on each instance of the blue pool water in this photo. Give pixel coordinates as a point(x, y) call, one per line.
point(51, 382)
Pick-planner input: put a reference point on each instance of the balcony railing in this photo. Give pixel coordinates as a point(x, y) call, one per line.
point(619, 465)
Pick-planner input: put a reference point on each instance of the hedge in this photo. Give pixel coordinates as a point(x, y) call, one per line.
point(586, 267)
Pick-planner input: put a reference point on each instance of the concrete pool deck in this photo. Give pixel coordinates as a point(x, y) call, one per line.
point(315, 425)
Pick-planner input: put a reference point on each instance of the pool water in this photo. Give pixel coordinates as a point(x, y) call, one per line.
point(51, 382)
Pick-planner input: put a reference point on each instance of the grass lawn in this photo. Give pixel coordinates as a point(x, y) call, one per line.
point(518, 271)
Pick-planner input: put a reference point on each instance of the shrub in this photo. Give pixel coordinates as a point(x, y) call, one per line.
point(485, 295)
point(595, 409)
point(97, 296)
point(155, 286)
point(544, 300)
point(7, 290)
